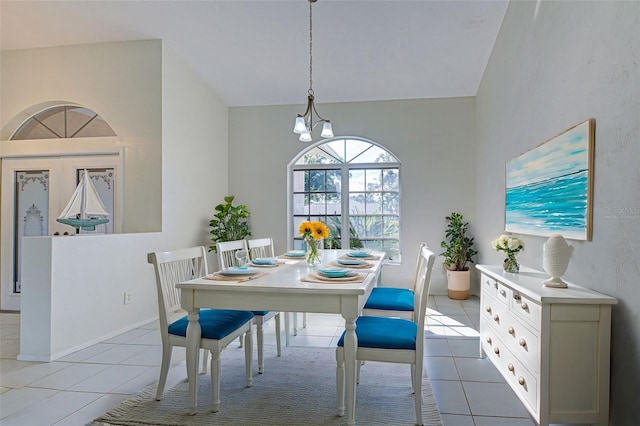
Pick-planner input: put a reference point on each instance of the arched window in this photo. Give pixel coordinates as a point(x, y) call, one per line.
point(63, 121)
point(352, 185)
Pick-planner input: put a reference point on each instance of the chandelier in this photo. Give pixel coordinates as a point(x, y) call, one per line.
point(304, 124)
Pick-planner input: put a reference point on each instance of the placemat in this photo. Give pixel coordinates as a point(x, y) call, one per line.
point(363, 265)
point(315, 277)
point(216, 276)
point(284, 256)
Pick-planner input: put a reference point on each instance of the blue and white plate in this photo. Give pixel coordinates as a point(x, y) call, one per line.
point(295, 253)
point(335, 273)
point(239, 270)
point(358, 253)
point(350, 261)
point(265, 261)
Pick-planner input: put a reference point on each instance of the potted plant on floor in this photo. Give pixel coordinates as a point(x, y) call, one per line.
point(458, 254)
point(230, 222)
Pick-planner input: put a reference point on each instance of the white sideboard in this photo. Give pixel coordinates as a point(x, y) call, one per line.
point(550, 344)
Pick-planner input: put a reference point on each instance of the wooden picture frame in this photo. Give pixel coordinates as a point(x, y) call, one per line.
point(549, 189)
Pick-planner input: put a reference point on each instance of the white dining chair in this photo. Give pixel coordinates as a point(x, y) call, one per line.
point(395, 340)
point(393, 301)
point(226, 255)
point(219, 326)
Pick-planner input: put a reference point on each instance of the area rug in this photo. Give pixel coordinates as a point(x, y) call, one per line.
point(295, 389)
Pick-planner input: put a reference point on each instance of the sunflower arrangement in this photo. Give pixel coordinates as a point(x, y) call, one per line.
point(310, 232)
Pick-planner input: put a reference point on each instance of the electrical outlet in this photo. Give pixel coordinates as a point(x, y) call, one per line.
point(128, 297)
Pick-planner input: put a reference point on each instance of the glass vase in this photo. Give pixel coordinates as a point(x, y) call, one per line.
point(511, 264)
point(314, 251)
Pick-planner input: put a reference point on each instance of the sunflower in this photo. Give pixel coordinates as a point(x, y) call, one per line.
point(305, 228)
point(320, 231)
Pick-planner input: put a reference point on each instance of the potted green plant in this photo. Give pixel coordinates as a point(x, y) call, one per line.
point(458, 254)
point(229, 223)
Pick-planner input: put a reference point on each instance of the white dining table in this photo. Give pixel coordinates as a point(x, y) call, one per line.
point(282, 290)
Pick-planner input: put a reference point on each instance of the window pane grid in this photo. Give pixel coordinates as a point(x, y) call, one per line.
point(372, 191)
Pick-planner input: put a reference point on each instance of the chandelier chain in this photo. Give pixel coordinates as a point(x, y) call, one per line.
point(310, 48)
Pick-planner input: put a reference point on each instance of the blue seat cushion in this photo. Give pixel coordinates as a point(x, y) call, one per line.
point(260, 313)
point(390, 299)
point(215, 323)
point(384, 333)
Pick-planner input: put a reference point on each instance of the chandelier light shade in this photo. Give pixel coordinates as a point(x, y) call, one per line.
point(305, 124)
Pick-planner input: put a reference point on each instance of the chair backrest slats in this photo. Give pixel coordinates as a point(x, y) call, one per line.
point(227, 252)
point(423, 281)
point(171, 268)
point(261, 247)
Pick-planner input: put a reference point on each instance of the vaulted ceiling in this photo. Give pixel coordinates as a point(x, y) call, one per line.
point(257, 52)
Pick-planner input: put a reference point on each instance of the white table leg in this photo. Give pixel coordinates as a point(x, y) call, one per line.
point(350, 346)
point(194, 333)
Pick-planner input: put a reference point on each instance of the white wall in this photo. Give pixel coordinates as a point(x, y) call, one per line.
point(73, 292)
point(194, 153)
point(556, 64)
point(433, 138)
point(119, 81)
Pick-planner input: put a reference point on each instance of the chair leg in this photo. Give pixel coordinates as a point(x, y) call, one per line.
point(205, 360)
point(295, 323)
point(304, 320)
point(164, 370)
point(358, 365)
point(413, 377)
point(278, 337)
point(417, 389)
point(240, 341)
point(340, 380)
point(215, 382)
point(287, 329)
point(259, 321)
point(248, 356)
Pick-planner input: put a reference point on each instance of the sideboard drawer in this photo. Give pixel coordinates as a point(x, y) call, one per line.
point(489, 285)
point(523, 383)
point(526, 309)
point(493, 313)
point(524, 344)
point(503, 294)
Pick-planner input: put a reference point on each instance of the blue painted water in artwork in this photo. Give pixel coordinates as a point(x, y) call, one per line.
point(556, 205)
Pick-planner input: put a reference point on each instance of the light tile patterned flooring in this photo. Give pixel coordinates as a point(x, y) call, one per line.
point(77, 388)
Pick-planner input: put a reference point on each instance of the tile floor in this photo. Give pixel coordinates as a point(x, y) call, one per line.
point(77, 388)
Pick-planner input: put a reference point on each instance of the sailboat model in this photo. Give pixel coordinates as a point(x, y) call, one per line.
point(85, 209)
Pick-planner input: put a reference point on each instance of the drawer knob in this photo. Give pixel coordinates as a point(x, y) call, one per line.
point(511, 330)
point(516, 297)
point(495, 285)
point(521, 380)
point(511, 367)
point(523, 343)
point(496, 318)
point(496, 350)
point(524, 306)
point(489, 340)
point(488, 308)
point(503, 293)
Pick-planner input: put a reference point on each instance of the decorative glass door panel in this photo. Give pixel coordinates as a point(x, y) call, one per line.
point(32, 212)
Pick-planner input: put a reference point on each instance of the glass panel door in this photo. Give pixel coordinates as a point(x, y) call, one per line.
point(34, 192)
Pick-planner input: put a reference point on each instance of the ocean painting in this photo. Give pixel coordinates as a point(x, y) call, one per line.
point(548, 189)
